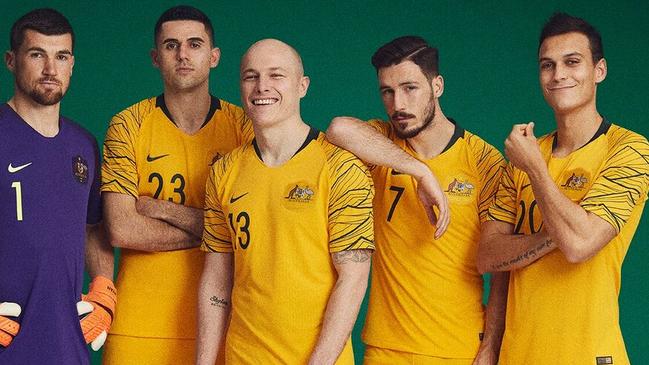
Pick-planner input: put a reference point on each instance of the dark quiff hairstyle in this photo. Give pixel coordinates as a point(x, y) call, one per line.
point(45, 21)
point(562, 23)
point(408, 48)
point(183, 12)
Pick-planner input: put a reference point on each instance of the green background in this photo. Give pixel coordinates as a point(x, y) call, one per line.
point(487, 56)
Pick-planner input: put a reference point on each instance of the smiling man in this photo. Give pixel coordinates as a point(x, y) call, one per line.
point(157, 155)
point(566, 211)
point(288, 228)
point(50, 212)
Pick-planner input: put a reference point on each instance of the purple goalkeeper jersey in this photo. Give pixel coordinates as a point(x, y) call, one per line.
point(49, 191)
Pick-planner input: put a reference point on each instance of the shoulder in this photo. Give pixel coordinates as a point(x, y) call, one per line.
point(620, 138)
point(137, 112)
point(225, 163)
point(335, 155)
point(78, 132)
point(477, 143)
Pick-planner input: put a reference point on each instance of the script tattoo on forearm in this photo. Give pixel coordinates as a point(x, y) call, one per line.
point(218, 302)
point(529, 255)
point(356, 256)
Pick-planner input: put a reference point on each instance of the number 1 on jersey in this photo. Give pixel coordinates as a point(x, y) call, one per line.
point(19, 200)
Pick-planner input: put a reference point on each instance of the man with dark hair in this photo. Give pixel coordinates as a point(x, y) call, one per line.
point(566, 210)
point(425, 301)
point(157, 154)
point(288, 230)
point(51, 208)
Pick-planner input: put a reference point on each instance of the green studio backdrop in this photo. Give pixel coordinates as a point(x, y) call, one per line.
point(488, 54)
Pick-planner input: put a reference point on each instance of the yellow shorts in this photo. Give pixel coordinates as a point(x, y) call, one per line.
point(380, 356)
point(128, 350)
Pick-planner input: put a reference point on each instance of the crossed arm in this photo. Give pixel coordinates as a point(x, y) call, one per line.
point(148, 224)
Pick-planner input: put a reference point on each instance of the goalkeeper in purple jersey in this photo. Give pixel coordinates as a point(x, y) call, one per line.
point(50, 211)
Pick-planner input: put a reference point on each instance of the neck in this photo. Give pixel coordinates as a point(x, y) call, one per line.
point(188, 109)
point(431, 141)
point(280, 142)
point(575, 129)
point(44, 119)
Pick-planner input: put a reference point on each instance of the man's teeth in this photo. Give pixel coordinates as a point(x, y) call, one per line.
point(263, 101)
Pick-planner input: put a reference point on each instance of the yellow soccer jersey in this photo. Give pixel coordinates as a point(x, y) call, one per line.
point(563, 313)
point(146, 154)
point(282, 224)
point(426, 294)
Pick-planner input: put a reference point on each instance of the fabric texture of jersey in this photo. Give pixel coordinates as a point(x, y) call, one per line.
point(49, 189)
point(567, 313)
point(282, 224)
point(146, 154)
point(426, 294)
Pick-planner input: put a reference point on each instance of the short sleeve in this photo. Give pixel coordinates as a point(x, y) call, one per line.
point(623, 181)
point(119, 170)
point(489, 165)
point(503, 206)
point(351, 220)
point(216, 236)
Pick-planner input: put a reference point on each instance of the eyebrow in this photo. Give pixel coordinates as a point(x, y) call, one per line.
point(572, 54)
point(405, 83)
point(39, 49)
point(270, 69)
point(192, 39)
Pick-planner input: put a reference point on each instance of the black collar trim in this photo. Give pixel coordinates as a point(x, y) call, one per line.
point(311, 136)
point(215, 104)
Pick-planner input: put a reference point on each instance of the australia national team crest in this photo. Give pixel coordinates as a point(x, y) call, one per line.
point(299, 193)
point(460, 187)
point(574, 180)
point(80, 169)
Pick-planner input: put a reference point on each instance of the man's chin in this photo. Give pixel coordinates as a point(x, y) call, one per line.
point(47, 99)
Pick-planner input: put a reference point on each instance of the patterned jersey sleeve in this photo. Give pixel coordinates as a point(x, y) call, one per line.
point(503, 206)
point(119, 170)
point(489, 165)
point(623, 181)
point(216, 236)
point(351, 221)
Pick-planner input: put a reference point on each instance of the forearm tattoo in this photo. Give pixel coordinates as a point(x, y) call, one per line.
point(219, 302)
point(529, 255)
point(355, 256)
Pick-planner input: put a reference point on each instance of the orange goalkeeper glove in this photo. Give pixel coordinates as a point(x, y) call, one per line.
point(8, 328)
point(99, 308)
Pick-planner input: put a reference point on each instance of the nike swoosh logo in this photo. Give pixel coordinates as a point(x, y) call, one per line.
point(12, 169)
point(395, 172)
point(233, 199)
point(150, 158)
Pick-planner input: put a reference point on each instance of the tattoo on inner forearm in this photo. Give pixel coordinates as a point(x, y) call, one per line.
point(530, 254)
point(357, 256)
point(218, 302)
